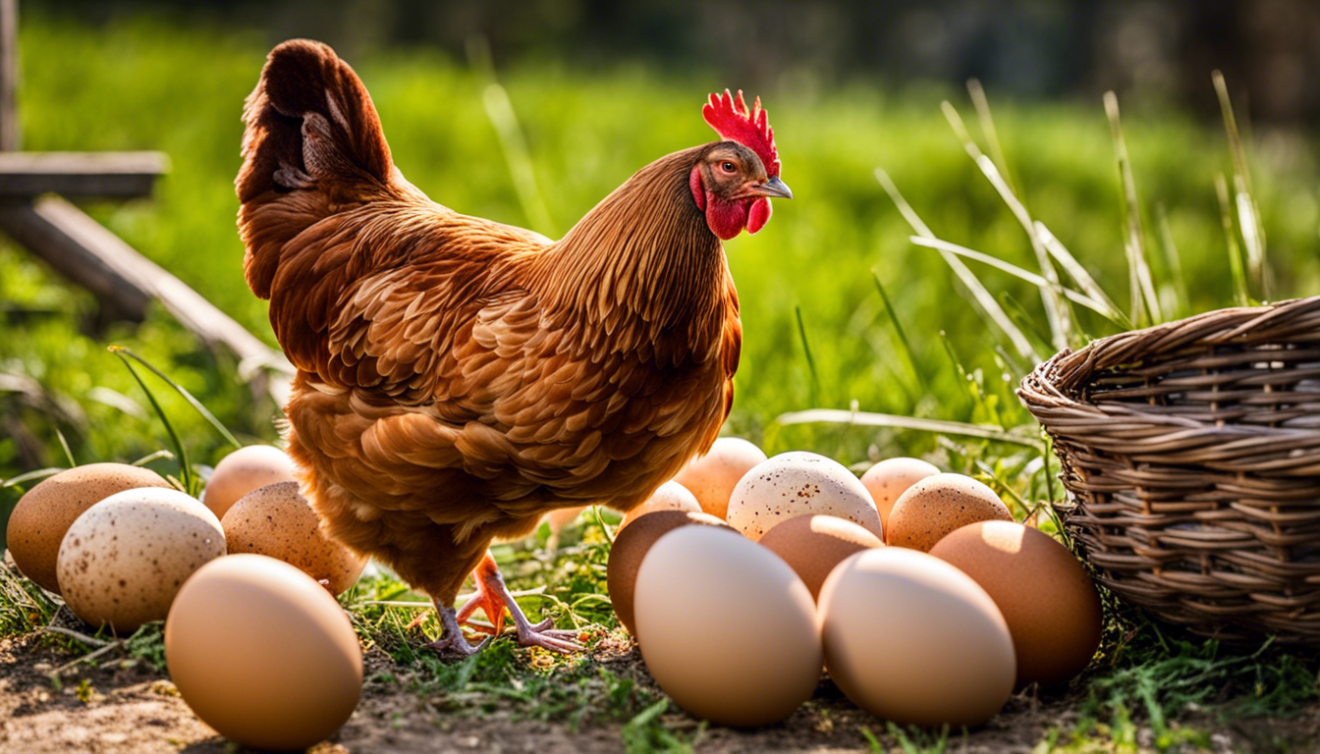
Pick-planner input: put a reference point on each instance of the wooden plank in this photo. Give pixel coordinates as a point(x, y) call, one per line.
point(8, 75)
point(90, 255)
point(101, 174)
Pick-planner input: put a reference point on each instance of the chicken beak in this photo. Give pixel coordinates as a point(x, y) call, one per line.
point(773, 187)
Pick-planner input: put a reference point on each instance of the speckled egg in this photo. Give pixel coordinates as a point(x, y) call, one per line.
point(670, 496)
point(123, 560)
point(797, 484)
point(712, 477)
point(813, 545)
point(892, 477)
point(43, 515)
point(245, 470)
point(276, 520)
point(937, 505)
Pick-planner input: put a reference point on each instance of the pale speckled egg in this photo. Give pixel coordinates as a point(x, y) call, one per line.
point(276, 520)
point(630, 547)
point(910, 638)
point(1050, 604)
point(754, 674)
point(797, 484)
point(123, 560)
point(813, 545)
point(245, 470)
point(936, 505)
point(892, 477)
point(670, 496)
point(43, 515)
point(263, 654)
point(712, 477)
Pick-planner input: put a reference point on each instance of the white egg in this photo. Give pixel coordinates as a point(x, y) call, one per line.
point(798, 484)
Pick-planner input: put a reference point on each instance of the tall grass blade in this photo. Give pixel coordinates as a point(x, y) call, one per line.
point(499, 108)
point(898, 329)
point(1248, 212)
point(1056, 311)
point(806, 348)
point(183, 392)
point(981, 296)
point(1142, 287)
point(1173, 258)
point(938, 426)
point(31, 476)
point(64, 445)
point(1241, 294)
point(181, 453)
point(1080, 276)
point(987, 121)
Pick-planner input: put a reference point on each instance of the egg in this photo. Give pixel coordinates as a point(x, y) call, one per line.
point(726, 628)
point(1050, 604)
point(43, 515)
point(559, 518)
point(276, 520)
point(630, 547)
point(936, 505)
point(670, 496)
point(892, 477)
point(712, 477)
point(813, 545)
point(263, 654)
point(245, 470)
point(910, 638)
point(796, 484)
point(123, 560)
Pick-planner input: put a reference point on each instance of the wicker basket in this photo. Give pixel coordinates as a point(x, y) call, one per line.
point(1192, 453)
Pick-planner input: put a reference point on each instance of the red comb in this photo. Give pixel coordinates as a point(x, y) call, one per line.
point(731, 119)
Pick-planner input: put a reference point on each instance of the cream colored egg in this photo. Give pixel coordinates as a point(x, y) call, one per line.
point(892, 477)
point(910, 638)
point(939, 504)
point(276, 520)
point(44, 514)
point(263, 654)
point(798, 484)
point(245, 470)
point(123, 560)
point(670, 496)
point(753, 673)
point(712, 477)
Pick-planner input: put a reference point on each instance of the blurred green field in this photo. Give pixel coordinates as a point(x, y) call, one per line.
point(149, 85)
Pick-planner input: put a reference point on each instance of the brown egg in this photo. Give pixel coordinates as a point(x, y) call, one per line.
point(892, 477)
point(813, 545)
point(937, 505)
point(276, 520)
point(712, 477)
point(245, 470)
point(632, 544)
point(263, 654)
point(753, 671)
point(123, 560)
point(1051, 606)
point(671, 496)
point(43, 515)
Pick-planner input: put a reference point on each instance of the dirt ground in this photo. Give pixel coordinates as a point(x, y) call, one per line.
point(124, 707)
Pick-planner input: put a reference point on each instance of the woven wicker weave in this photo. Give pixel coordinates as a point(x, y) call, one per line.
point(1192, 453)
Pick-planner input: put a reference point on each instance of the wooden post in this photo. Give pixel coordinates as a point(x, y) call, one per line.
point(9, 136)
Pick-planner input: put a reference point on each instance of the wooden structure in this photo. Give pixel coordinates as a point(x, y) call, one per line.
point(34, 214)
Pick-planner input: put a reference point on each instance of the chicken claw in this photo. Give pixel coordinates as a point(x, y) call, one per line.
point(493, 598)
point(452, 643)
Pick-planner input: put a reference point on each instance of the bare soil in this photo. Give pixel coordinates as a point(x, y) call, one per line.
point(123, 706)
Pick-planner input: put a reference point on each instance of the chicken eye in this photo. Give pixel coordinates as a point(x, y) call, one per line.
point(728, 167)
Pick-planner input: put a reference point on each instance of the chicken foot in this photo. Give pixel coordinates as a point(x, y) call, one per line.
point(493, 597)
point(452, 643)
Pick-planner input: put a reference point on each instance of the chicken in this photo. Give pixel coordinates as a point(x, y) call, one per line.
point(457, 378)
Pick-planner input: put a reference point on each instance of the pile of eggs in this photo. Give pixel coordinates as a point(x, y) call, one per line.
point(124, 547)
point(914, 589)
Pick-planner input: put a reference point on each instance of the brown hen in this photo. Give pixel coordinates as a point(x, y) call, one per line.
point(458, 378)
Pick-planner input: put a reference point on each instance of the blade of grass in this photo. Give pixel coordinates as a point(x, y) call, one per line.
point(181, 454)
point(937, 426)
point(1241, 295)
point(1142, 286)
point(806, 349)
point(1248, 212)
point(1174, 260)
point(1056, 311)
point(898, 329)
point(64, 445)
point(31, 475)
point(1080, 276)
point(987, 121)
point(981, 296)
point(187, 396)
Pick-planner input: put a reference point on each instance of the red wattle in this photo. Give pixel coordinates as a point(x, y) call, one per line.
point(759, 215)
point(725, 219)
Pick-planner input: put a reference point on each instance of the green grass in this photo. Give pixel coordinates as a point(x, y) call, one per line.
point(841, 309)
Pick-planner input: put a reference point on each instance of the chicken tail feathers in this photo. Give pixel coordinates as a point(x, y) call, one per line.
point(312, 141)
